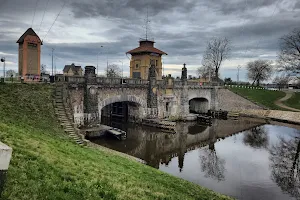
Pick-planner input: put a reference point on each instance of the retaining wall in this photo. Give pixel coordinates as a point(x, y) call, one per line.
point(232, 102)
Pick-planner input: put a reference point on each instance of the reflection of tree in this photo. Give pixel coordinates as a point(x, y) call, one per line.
point(256, 137)
point(284, 158)
point(211, 165)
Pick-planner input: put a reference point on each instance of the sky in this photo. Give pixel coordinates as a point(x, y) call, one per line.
point(77, 29)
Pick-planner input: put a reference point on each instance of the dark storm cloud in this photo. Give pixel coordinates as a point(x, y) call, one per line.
point(227, 7)
point(180, 28)
point(127, 9)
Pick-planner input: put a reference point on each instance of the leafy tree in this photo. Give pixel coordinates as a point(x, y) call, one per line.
point(259, 70)
point(289, 55)
point(113, 71)
point(216, 52)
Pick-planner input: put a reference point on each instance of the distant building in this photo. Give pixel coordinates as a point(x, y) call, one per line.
point(141, 57)
point(29, 55)
point(72, 70)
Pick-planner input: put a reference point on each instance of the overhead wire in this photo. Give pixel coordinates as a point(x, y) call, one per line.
point(34, 12)
point(43, 16)
point(55, 19)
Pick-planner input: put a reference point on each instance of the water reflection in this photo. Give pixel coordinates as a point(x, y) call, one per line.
point(245, 159)
point(212, 165)
point(284, 164)
point(256, 137)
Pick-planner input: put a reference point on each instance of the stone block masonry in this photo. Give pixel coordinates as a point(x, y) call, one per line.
point(5, 156)
point(230, 101)
point(277, 115)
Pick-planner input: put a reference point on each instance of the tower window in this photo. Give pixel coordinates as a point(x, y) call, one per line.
point(137, 66)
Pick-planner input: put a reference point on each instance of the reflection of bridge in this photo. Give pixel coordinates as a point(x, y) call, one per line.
point(89, 95)
point(157, 148)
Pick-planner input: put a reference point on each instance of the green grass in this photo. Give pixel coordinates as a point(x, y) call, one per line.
point(46, 164)
point(261, 97)
point(294, 101)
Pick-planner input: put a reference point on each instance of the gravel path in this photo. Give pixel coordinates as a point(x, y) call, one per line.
point(288, 95)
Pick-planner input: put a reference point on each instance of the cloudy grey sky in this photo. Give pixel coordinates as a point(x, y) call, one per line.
point(180, 27)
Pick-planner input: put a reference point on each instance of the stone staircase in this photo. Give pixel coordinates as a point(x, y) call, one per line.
point(64, 115)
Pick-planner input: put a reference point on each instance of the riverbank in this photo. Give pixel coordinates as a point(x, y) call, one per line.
point(46, 164)
point(276, 115)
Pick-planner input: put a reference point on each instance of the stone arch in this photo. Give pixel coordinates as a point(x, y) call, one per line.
point(141, 104)
point(199, 105)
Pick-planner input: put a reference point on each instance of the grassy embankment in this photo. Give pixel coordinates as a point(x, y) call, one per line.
point(261, 97)
point(46, 164)
point(294, 101)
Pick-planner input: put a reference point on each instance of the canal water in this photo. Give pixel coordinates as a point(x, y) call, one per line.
point(245, 159)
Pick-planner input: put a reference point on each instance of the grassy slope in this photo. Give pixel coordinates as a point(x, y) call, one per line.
point(262, 97)
point(294, 101)
point(47, 165)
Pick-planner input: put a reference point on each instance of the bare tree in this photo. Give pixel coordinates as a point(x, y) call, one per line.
point(256, 137)
point(285, 165)
point(259, 70)
point(289, 55)
point(10, 73)
point(281, 81)
point(43, 68)
point(216, 52)
point(203, 72)
point(113, 71)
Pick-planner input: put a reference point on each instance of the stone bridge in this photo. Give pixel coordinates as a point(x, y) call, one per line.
point(88, 95)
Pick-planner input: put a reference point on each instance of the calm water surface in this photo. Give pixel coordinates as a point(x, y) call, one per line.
point(245, 159)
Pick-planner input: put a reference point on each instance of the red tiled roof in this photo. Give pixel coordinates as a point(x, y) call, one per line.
point(146, 49)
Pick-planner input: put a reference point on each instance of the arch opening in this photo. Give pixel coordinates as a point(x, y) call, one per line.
point(120, 109)
point(198, 105)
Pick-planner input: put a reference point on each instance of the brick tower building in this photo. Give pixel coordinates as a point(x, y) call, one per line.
point(29, 55)
point(141, 58)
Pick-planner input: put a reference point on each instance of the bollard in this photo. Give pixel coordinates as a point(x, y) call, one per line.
point(5, 156)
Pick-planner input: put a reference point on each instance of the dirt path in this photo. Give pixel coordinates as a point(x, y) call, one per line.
point(287, 96)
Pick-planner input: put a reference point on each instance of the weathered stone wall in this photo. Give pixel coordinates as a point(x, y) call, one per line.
point(230, 101)
point(76, 97)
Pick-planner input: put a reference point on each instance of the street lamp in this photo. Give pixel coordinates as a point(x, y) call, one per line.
point(98, 60)
point(3, 60)
point(238, 74)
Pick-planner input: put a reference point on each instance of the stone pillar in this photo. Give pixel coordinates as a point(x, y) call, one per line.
point(184, 101)
point(152, 93)
point(5, 156)
point(91, 114)
point(214, 105)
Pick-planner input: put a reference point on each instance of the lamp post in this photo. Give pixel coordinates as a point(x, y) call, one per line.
point(98, 60)
point(238, 74)
point(3, 60)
